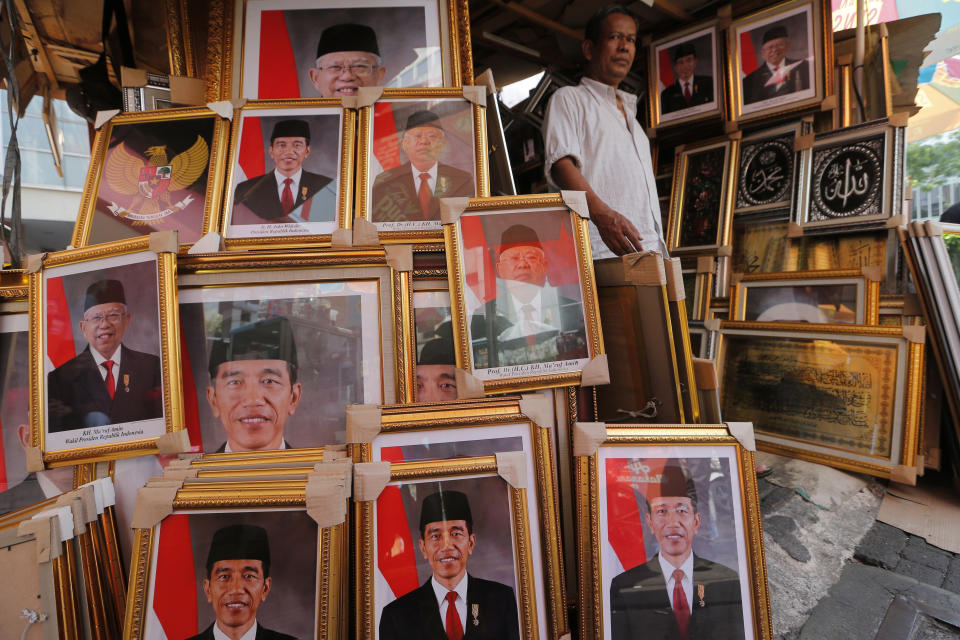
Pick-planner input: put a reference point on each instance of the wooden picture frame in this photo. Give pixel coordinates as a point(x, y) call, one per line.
point(697, 49)
point(838, 296)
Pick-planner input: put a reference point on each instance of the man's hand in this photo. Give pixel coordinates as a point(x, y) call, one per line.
point(616, 231)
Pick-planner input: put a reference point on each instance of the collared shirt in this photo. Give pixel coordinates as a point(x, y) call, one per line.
point(686, 583)
point(251, 633)
point(293, 185)
point(432, 180)
point(227, 449)
point(441, 592)
point(99, 359)
point(583, 122)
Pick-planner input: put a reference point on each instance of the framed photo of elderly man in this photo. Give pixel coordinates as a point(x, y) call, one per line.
point(105, 347)
point(290, 182)
point(521, 289)
point(777, 59)
point(686, 82)
point(417, 147)
point(308, 49)
point(674, 548)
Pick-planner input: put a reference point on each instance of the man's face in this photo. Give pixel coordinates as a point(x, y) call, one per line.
point(288, 153)
point(446, 545)
point(423, 145)
point(523, 264)
point(685, 66)
point(236, 588)
point(103, 326)
point(253, 399)
point(674, 524)
point(436, 383)
point(775, 50)
point(339, 73)
point(609, 60)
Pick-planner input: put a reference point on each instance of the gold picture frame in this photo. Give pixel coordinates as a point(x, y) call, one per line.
point(145, 269)
point(115, 172)
point(668, 107)
point(430, 296)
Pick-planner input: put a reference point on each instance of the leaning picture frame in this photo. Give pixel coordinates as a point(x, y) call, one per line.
point(489, 242)
point(433, 361)
point(686, 76)
point(629, 479)
point(309, 143)
point(841, 395)
point(154, 171)
point(411, 43)
point(83, 303)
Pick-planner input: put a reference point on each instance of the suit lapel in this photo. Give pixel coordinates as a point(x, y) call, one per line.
point(94, 382)
point(430, 612)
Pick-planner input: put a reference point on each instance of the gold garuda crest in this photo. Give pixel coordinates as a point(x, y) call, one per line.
point(153, 182)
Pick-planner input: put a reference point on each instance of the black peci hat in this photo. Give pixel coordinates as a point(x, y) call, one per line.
point(423, 118)
point(270, 339)
point(684, 49)
point(348, 37)
point(291, 129)
point(773, 33)
point(104, 292)
point(439, 350)
point(445, 505)
point(240, 542)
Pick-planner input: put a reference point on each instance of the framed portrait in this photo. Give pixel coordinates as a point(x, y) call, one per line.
point(841, 296)
point(841, 395)
point(416, 147)
point(767, 178)
point(290, 181)
point(435, 362)
point(704, 338)
point(154, 171)
point(535, 108)
point(182, 566)
point(700, 209)
point(472, 429)
point(306, 49)
point(776, 59)
point(322, 332)
point(657, 500)
point(496, 572)
point(521, 288)
point(686, 82)
point(105, 347)
point(850, 179)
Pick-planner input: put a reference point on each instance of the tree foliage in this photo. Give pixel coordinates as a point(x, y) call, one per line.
point(930, 165)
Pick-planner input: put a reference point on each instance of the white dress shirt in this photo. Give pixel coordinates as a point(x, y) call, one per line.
point(99, 359)
point(441, 592)
point(293, 185)
point(686, 583)
point(432, 180)
point(251, 633)
point(583, 122)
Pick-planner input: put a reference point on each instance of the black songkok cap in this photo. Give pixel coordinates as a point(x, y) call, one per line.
point(445, 505)
point(104, 292)
point(439, 350)
point(774, 33)
point(684, 49)
point(291, 129)
point(519, 234)
point(423, 118)
point(270, 339)
point(240, 542)
point(348, 37)
point(675, 482)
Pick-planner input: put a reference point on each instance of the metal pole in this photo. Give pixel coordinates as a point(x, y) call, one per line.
point(859, 54)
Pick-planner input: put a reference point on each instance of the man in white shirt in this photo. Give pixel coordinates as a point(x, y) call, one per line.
point(593, 142)
point(676, 595)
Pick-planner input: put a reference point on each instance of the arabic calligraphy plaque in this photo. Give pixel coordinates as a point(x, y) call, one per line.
point(766, 176)
point(848, 180)
point(836, 394)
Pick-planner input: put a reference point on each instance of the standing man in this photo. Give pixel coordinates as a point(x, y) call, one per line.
point(108, 383)
point(676, 595)
point(288, 193)
point(776, 74)
point(237, 583)
point(409, 192)
point(593, 142)
point(688, 90)
point(452, 604)
point(347, 58)
point(253, 385)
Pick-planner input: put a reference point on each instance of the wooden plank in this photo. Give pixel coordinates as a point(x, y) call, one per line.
point(38, 53)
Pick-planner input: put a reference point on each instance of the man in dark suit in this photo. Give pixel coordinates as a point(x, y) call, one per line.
point(452, 604)
point(253, 384)
point(776, 74)
point(529, 321)
point(676, 595)
point(409, 192)
point(288, 193)
point(688, 89)
point(238, 582)
point(108, 383)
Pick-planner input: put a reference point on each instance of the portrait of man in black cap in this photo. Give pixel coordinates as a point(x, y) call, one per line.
point(689, 89)
point(289, 193)
point(253, 386)
point(237, 583)
point(436, 367)
point(452, 604)
point(107, 383)
point(776, 75)
point(530, 320)
point(410, 191)
point(676, 595)
point(348, 57)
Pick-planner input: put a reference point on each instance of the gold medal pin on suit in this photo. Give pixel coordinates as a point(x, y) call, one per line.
point(126, 382)
point(476, 613)
point(303, 192)
point(701, 590)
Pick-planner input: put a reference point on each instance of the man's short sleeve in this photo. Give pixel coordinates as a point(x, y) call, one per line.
point(563, 129)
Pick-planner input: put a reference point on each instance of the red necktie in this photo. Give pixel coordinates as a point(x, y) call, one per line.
point(425, 194)
point(111, 382)
point(286, 200)
point(454, 628)
point(686, 92)
point(681, 610)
